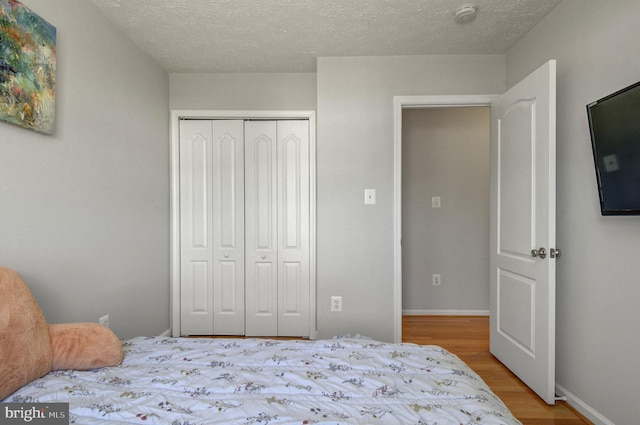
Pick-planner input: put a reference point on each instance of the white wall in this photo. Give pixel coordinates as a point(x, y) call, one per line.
point(293, 91)
point(84, 213)
point(355, 152)
point(445, 153)
point(597, 45)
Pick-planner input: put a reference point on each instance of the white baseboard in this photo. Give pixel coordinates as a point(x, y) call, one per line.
point(166, 333)
point(587, 411)
point(445, 312)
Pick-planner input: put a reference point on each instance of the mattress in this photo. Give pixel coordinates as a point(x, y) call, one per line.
point(188, 381)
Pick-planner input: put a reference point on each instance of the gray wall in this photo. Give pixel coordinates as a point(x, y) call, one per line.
point(355, 152)
point(294, 91)
point(597, 45)
point(445, 153)
point(84, 213)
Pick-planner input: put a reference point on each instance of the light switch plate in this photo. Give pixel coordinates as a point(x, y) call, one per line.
point(369, 196)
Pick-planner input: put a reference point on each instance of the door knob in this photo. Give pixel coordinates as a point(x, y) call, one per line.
point(542, 253)
point(263, 256)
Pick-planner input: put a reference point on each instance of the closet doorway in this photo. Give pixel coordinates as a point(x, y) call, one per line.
point(243, 223)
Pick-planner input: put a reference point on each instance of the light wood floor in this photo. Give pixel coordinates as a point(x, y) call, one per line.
point(468, 338)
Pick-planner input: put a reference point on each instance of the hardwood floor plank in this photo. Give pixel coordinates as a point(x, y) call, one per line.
point(468, 338)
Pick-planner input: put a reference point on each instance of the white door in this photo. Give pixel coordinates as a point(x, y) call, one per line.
point(261, 212)
point(522, 258)
point(228, 227)
point(293, 225)
point(245, 228)
point(196, 244)
point(277, 208)
point(211, 227)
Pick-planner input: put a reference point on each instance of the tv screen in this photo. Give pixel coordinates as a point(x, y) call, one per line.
point(615, 138)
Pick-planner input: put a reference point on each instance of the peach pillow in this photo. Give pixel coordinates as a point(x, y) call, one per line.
point(84, 346)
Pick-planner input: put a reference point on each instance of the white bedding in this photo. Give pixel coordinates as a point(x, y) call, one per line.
point(186, 381)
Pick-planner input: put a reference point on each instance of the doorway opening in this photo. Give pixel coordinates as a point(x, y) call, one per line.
point(445, 211)
point(428, 201)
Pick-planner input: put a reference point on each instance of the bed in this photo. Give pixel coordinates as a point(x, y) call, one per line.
point(345, 380)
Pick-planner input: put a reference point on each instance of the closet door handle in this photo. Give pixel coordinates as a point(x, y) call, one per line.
point(263, 256)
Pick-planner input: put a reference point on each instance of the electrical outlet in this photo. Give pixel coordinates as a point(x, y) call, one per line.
point(336, 304)
point(436, 279)
point(104, 320)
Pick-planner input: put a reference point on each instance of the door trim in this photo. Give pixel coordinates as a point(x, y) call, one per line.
point(400, 103)
point(174, 174)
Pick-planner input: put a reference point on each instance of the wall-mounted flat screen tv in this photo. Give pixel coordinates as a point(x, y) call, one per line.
point(615, 138)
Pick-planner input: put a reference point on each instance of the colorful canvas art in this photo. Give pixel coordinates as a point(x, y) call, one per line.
point(27, 68)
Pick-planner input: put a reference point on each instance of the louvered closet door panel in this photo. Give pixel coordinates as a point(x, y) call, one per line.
point(228, 227)
point(260, 229)
point(196, 242)
point(293, 228)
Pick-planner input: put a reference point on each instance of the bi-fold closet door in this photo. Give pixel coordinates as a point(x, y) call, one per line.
point(244, 227)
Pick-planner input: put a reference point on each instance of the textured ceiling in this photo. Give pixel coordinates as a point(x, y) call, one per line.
point(288, 35)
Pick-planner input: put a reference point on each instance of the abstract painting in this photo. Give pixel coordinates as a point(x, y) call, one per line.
point(27, 68)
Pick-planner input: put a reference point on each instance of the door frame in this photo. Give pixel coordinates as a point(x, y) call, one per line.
point(400, 103)
point(174, 173)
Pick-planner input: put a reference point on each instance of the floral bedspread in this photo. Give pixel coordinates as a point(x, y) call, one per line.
point(187, 381)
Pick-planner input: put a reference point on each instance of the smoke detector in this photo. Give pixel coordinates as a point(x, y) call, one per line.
point(466, 13)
